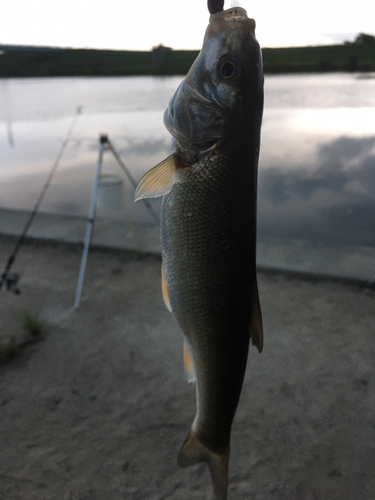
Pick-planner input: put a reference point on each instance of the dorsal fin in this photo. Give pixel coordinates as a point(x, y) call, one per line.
point(256, 324)
point(158, 181)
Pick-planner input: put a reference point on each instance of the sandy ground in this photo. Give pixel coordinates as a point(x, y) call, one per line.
point(99, 408)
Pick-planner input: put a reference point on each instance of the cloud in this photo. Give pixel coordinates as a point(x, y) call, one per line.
point(340, 162)
point(344, 149)
point(335, 201)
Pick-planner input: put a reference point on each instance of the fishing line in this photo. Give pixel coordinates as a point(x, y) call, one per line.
point(11, 279)
point(215, 6)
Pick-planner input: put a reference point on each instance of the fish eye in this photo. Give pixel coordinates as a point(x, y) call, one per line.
point(228, 69)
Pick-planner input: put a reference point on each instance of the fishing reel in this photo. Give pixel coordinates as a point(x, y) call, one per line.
point(11, 280)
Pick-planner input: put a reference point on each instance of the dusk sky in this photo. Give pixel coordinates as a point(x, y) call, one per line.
point(131, 25)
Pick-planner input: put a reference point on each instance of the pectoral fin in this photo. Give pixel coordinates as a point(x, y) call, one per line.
point(256, 325)
point(158, 181)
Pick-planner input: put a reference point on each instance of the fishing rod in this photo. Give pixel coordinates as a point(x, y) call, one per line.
point(104, 145)
point(11, 279)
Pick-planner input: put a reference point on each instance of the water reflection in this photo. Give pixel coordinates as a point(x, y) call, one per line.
point(317, 165)
point(144, 146)
point(335, 201)
point(319, 91)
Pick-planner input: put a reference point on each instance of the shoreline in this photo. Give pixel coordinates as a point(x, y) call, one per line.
point(313, 261)
point(39, 62)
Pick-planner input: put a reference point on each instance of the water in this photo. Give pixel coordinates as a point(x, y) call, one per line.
point(317, 165)
point(317, 169)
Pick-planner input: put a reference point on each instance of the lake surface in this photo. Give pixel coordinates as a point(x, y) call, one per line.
point(317, 165)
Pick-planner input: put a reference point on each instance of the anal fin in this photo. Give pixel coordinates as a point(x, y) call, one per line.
point(165, 291)
point(189, 365)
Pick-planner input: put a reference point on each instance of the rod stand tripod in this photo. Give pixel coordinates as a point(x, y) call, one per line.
point(104, 144)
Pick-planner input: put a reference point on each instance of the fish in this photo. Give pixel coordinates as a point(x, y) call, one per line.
point(208, 228)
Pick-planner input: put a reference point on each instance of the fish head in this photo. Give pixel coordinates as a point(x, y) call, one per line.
point(223, 89)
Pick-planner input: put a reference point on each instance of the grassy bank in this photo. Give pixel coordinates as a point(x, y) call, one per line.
point(87, 62)
point(348, 57)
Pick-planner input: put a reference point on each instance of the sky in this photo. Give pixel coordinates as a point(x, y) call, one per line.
point(140, 25)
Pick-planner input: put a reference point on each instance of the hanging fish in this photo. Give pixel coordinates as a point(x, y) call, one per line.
point(208, 228)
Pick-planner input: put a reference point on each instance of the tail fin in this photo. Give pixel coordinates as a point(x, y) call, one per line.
point(193, 452)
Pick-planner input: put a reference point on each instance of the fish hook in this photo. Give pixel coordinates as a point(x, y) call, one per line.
point(215, 6)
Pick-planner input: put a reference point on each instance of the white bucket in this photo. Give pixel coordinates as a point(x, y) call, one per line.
point(110, 193)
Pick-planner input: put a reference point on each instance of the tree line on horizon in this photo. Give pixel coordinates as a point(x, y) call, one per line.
point(358, 55)
point(363, 38)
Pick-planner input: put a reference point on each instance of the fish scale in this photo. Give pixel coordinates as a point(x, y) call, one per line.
point(208, 228)
point(197, 280)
